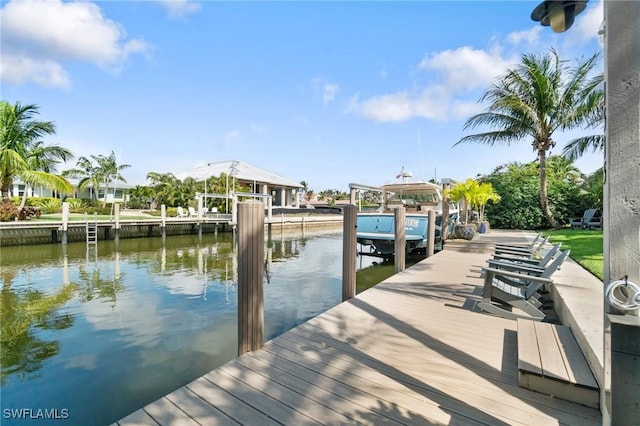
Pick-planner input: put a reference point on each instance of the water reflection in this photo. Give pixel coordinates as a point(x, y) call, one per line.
point(103, 331)
point(24, 311)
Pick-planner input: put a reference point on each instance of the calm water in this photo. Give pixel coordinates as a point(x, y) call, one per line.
point(97, 336)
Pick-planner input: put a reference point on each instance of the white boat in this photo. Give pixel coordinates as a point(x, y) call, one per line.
point(376, 230)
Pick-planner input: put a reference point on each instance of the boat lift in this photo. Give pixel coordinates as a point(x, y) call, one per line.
point(357, 188)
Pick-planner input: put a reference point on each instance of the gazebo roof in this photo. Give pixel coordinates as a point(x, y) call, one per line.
point(241, 171)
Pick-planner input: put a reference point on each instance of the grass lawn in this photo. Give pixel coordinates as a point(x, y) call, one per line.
point(585, 245)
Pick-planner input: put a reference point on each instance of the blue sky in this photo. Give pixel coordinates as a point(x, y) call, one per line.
point(327, 92)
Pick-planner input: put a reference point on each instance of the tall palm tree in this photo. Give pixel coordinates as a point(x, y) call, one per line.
point(110, 171)
point(20, 145)
point(97, 171)
point(541, 95)
point(89, 176)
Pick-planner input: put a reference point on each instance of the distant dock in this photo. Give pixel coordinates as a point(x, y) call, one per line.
point(49, 232)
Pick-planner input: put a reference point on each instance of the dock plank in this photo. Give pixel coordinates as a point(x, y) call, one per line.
point(576, 364)
point(528, 354)
point(552, 363)
point(164, 411)
point(262, 402)
point(296, 401)
point(293, 376)
point(510, 407)
point(200, 410)
point(412, 350)
point(227, 403)
point(138, 418)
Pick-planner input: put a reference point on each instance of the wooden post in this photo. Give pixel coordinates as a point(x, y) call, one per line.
point(352, 196)
point(400, 241)
point(444, 223)
point(200, 205)
point(621, 390)
point(65, 221)
point(116, 232)
point(234, 209)
point(349, 249)
point(431, 233)
point(163, 222)
point(250, 276)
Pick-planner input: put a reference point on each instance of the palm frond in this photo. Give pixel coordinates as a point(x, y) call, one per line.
point(48, 180)
point(576, 148)
point(497, 137)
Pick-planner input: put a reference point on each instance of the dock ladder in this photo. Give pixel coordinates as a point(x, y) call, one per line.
point(91, 229)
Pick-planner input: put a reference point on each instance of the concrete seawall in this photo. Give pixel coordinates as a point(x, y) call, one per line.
point(30, 233)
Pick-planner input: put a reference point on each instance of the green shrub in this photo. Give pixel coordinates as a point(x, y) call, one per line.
point(46, 202)
point(74, 203)
point(8, 211)
point(92, 210)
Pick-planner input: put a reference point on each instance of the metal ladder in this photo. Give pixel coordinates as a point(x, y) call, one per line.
point(91, 229)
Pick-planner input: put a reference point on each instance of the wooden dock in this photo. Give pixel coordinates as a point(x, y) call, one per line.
point(412, 350)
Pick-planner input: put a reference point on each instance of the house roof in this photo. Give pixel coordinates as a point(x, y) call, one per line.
point(241, 171)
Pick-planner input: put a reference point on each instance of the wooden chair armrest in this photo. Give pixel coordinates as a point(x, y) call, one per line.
point(493, 271)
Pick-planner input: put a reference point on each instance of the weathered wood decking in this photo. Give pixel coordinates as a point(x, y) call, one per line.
point(412, 350)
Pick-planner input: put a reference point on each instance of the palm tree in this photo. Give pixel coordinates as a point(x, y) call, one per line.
point(109, 171)
point(484, 195)
point(44, 158)
point(97, 171)
point(542, 95)
point(22, 153)
point(166, 188)
point(88, 174)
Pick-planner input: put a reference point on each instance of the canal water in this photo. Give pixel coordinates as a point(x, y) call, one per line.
point(92, 334)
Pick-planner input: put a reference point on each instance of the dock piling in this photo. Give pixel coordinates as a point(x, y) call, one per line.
point(400, 247)
point(116, 232)
point(250, 276)
point(163, 223)
point(431, 233)
point(65, 221)
point(349, 250)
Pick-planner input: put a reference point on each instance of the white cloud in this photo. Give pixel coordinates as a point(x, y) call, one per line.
point(329, 93)
point(430, 103)
point(527, 37)
point(49, 32)
point(586, 25)
point(178, 9)
point(466, 68)
point(17, 69)
point(452, 74)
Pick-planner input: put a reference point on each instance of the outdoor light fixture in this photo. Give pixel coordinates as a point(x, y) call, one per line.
point(558, 14)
